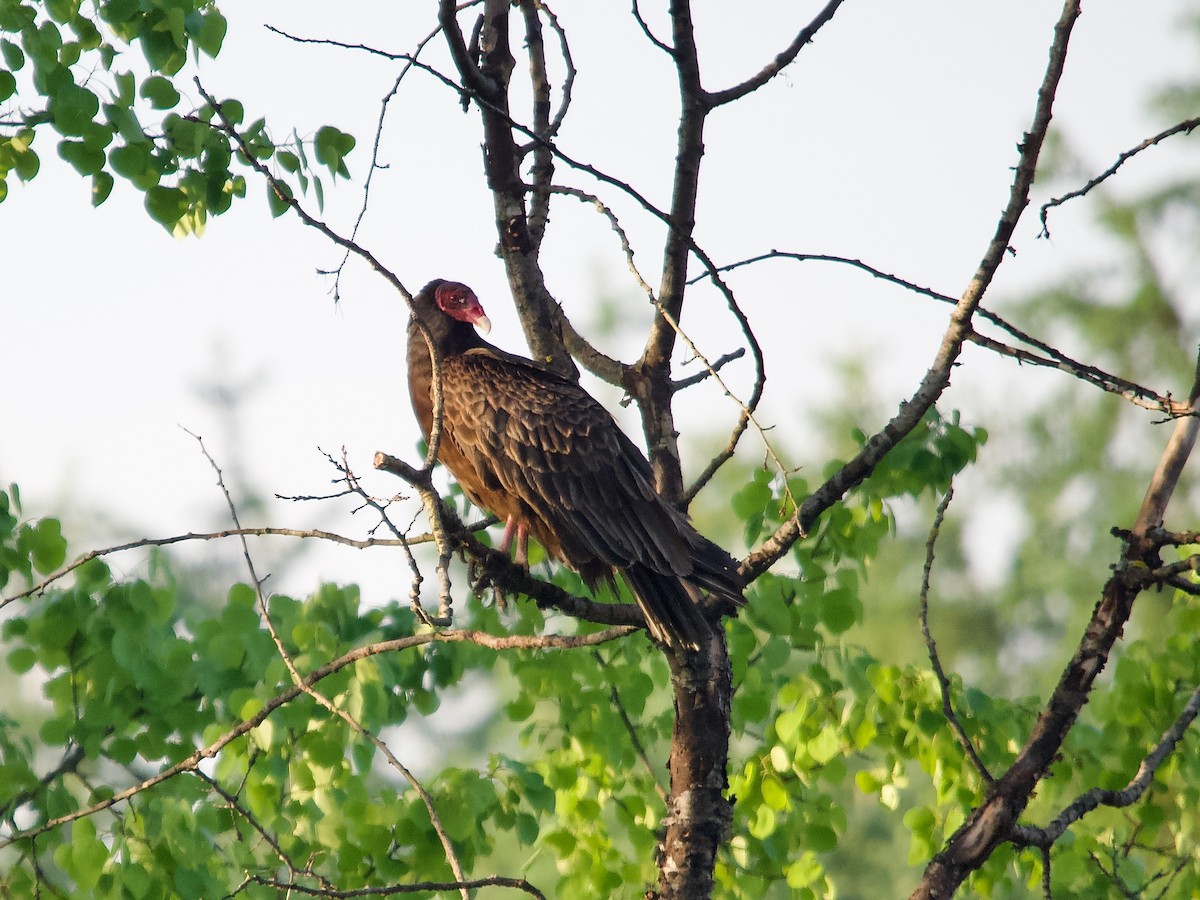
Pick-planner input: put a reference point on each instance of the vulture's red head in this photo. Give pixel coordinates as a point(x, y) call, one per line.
point(459, 302)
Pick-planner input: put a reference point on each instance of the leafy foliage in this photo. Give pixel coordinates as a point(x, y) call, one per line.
point(75, 62)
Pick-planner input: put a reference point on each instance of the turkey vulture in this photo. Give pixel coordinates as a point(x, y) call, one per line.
point(541, 454)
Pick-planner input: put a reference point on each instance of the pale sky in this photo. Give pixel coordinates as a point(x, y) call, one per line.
point(889, 140)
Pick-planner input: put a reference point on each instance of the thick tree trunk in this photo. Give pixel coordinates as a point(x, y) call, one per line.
point(699, 815)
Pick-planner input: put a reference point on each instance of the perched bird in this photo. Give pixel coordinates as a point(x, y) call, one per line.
point(541, 454)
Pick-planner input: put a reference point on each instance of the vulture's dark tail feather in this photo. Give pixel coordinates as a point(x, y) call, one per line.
point(672, 614)
point(716, 571)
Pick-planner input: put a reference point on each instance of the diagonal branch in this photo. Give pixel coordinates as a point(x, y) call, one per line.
point(937, 379)
point(995, 821)
point(1051, 358)
point(1185, 127)
point(1128, 795)
point(779, 63)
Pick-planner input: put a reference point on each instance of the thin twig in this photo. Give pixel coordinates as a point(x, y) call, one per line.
point(650, 36)
point(69, 763)
point(711, 369)
point(631, 729)
point(359, 544)
point(1185, 127)
point(235, 804)
point(1052, 358)
point(542, 170)
point(383, 111)
point(931, 646)
point(569, 76)
point(781, 60)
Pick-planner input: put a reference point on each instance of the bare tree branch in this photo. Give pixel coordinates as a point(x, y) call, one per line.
point(651, 388)
point(542, 171)
point(938, 377)
point(780, 62)
point(518, 242)
point(943, 682)
point(568, 84)
point(712, 369)
point(1052, 358)
point(1185, 127)
point(650, 36)
point(208, 536)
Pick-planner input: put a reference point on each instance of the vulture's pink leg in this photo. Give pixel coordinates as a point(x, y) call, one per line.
point(522, 545)
point(513, 528)
point(510, 529)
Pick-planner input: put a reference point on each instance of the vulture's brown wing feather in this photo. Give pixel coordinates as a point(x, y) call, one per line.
point(537, 440)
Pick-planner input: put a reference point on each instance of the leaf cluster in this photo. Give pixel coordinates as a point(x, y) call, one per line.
point(68, 71)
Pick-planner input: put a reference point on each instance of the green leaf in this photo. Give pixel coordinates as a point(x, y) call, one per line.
point(821, 838)
point(126, 86)
point(73, 108)
point(26, 163)
point(131, 160)
point(14, 56)
point(825, 746)
point(87, 32)
point(187, 137)
point(166, 205)
point(160, 92)
point(211, 34)
point(278, 205)
point(774, 794)
point(88, 854)
point(85, 160)
point(332, 146)
point(8, 85)
point(233, 111)
point(162, 51)
point(102, 185)
point(288, 160)
point(840, 609)
point(48, 545)
point(22, 660)
point(62, 10)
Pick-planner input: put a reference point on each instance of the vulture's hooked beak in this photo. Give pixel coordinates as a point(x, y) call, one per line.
point(483, 324)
